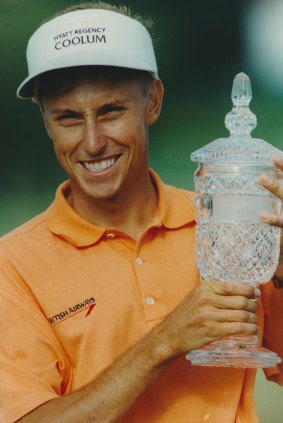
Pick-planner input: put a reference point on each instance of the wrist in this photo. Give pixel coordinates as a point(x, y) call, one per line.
point(162, 351)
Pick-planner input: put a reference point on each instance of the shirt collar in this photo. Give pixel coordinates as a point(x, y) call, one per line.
point(175, 209)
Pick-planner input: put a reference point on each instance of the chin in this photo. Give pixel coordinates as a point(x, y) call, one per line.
point(96, 192)
point(101, 196)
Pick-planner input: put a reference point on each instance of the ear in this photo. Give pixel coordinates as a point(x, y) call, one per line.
point(45, 120)
point(154, 102)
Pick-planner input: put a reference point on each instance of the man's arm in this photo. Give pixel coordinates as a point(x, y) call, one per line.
point(209, 312)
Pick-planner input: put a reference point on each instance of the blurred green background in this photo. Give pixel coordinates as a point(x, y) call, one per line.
point(201, 46)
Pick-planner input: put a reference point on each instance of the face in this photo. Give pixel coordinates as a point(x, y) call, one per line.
point(99, 131)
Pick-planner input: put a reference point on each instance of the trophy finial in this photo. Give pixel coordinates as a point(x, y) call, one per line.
point(241, 90)
point(241, 121)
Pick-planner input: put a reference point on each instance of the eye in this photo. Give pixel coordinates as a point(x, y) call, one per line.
point(67, 116)
point(116, 108)
point(109, 108)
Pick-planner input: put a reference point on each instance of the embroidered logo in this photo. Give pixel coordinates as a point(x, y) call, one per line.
point(80, 36)
point(87, 304)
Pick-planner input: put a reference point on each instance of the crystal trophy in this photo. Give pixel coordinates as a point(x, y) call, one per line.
point(232, 243)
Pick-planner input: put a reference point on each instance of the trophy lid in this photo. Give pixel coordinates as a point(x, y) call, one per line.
point(240, 146)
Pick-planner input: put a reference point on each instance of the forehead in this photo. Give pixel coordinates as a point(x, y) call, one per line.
point(63, 81)
point(95, 94)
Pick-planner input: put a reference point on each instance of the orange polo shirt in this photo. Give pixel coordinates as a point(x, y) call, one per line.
point(73, 297)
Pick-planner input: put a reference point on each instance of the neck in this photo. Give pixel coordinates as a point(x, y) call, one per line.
point(129, 212)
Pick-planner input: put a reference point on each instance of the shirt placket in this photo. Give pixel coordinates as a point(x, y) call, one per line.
point(152, 295)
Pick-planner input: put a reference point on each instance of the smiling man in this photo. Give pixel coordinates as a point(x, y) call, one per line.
point(100, 296)
point(98, 122)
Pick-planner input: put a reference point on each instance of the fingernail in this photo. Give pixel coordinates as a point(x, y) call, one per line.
point(264, 216)
point(266, 180)
point(257, 293)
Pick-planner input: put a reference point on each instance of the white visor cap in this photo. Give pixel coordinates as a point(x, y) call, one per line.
point(88, 37)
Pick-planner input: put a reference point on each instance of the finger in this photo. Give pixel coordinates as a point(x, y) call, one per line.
point(231, 288)
point(272, 219)
point(223, 329)
point(235, 303)
point(235, 316)
point(278, 161)
point(238, 328)
point(272, 185)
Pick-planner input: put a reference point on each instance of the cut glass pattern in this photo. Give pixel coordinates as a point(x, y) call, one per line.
point(232, 244)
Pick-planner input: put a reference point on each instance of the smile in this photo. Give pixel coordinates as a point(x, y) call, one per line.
point(101, 165)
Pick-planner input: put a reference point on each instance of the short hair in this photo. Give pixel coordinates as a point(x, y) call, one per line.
point(60, 81)
point(123, 10)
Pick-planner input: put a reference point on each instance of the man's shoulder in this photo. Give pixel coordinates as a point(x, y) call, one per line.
point(176, 207)
point(182, 194)
point(36, 224)
point(187, 195)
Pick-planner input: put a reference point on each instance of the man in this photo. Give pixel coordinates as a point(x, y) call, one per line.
point(100, 294)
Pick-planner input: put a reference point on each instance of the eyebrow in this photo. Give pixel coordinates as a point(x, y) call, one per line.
point(119, 102)
point(63, 111)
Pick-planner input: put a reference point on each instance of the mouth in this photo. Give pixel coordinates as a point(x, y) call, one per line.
point(98, 166)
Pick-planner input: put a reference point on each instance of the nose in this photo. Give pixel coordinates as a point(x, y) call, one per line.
point(94, 139)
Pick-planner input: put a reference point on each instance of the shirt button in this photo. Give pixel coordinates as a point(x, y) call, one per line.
point(139, 260)
point(110, 235)
point(150, 300)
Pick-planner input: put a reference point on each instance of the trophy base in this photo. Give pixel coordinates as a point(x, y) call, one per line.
point(238, 355)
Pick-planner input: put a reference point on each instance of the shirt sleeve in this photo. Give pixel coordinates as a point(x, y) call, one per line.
point(272, 300)
point(33, 366)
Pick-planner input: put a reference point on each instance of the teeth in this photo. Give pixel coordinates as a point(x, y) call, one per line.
point(99, 166)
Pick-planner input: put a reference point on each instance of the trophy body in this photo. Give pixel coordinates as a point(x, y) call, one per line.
point(232, 244)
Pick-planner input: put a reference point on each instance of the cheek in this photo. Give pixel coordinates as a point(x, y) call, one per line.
point(129, 130)
point(135, 135)
point(65, 142)
point(62, 153)
point(59, 153)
